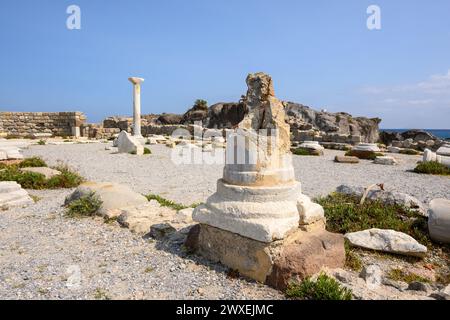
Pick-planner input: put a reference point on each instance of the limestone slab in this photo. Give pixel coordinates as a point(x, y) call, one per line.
point(387, 241)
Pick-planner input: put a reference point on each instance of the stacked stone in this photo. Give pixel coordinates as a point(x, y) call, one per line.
point(26, 124)
point(258, 219)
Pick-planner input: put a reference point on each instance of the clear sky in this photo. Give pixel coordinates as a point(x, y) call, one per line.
point(320, 53)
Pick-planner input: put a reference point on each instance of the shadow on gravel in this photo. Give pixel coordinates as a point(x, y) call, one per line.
point(174, 244)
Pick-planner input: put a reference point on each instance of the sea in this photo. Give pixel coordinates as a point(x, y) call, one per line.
point(440, 133)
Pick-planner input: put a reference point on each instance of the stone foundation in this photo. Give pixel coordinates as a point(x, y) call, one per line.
point(300, 255)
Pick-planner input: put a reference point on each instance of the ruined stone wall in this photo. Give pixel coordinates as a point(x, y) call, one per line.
point(25, 124)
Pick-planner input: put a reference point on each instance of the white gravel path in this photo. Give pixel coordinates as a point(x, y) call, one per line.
point(38, 244)
point(194, 183)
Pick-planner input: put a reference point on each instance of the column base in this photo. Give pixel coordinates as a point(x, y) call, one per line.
point(300, 255)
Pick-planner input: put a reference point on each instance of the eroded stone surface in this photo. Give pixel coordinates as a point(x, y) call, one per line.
point(439, 220)
point(300, 255)
point(128, 144)
point(114, 197)
point(387, 241)
point(12, 195)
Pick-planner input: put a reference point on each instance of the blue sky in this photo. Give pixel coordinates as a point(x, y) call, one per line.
point(320, 53)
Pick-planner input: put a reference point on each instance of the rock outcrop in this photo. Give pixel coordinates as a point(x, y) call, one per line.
point(304, 118)
point(412, 139)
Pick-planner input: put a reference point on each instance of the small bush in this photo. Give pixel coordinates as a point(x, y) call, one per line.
point(28, 180)
point(352, 260)
point(324, 288)
point(400, 275)
point(345, 214)
point(301, 152)
point(432, 167)
point(410, 152)
point(33, 162)
point(36, 181)
point(147, 151)
point(86, 206)
point(42, 142)
point(67, 179)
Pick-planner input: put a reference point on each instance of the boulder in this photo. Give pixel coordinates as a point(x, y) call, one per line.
point(392, 149)
point(45, 171)
point(387, 161)
point(388, 137)
point(387, 241)
point(128, 144)
point(140, 219)
point(389, 197)
point(169, 118)
point(226, 115)
point(444, 150)
point(439, 220)
point(346, 159)
point(12, 195)
point(115, 197)
point(199, 112)
point(161, 231)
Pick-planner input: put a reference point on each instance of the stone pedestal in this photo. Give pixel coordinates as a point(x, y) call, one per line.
point(300, 255)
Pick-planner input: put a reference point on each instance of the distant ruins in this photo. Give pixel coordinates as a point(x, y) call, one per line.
point(332, 130)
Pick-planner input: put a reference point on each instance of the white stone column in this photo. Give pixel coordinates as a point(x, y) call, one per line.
point(137, 106)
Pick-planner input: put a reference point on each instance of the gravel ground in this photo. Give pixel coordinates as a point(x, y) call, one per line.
point(40, 250)
point(194, 183)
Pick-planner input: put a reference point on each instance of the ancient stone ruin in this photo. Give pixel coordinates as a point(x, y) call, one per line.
point(258, 220)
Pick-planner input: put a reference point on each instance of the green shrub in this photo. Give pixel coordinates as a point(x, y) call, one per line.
point(28, 180)
point(67, 179)
point(324, 288)
point(147, 151)
point(86, 206)
point(432, 167)
point(166, 203)
point(33, 162)
point(37, 181)
point(408, 277)
point(301, 152)
point(42, 142)
point(410, 152)
point(345, 214)
point(201, 103)
point(352, 260)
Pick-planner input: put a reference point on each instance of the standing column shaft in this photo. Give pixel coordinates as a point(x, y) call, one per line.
point(136, 106)
point(137, 110)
